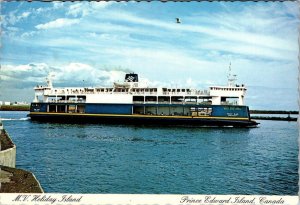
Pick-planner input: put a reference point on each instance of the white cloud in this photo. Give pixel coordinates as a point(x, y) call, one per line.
point(57, 4)
point(269, 41)
point(78, 9)
point(75, 74)
point(86, 8)
point(196, 51)
point(25, 14)
point(29, 34)
point(102, 4)
point(24, 73)
point(12, 18)
point(24, 68)
point(72, 73)
point(86, 75)
point(58, 23)
point(249, 50)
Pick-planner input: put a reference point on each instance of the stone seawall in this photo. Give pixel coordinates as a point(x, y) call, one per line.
point(7, 150)
point(14, 180)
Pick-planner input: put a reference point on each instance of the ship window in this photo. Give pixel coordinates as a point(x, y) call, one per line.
point(201, 111)
point(71, 108)
point(52, 108)
point(81, 108)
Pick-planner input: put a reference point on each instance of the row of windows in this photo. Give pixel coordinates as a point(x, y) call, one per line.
point(227, 89)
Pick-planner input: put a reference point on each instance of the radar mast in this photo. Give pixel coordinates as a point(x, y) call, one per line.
point(231, 78)
point(49, 80)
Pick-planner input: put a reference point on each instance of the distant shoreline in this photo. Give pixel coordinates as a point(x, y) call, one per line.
point(14, 107)
point(273, 112)
point(27, 108)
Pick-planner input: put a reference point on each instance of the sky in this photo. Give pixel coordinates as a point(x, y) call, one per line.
point(96, 43)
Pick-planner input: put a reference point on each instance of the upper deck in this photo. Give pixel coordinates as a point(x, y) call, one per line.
point(131, 91)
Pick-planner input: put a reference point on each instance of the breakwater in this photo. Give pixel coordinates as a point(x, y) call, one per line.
point(273, 112)
point(274, 118)
point(279, 115)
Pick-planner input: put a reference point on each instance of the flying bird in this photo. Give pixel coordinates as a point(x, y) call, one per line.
point(178, 20)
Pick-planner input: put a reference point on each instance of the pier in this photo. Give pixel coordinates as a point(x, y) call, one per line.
point(269, 115)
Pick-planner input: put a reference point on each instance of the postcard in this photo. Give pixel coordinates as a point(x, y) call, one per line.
point(106, 102)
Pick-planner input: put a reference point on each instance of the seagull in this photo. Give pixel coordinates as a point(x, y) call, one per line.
point(178, 20)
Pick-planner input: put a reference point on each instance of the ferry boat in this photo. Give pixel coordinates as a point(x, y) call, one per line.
point(131, 102)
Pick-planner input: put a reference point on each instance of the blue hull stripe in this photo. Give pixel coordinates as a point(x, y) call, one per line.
point(136, 116)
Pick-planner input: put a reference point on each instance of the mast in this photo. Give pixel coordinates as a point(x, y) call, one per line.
point(231, 78)
point(49, 80)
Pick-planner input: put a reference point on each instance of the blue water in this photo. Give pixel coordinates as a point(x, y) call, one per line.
point(157, 160)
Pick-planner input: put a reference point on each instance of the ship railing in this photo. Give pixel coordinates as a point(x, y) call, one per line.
point(120, 92)
point(229, 103)
point(164, 102)
point(144, 93)
point(150, 102)
point(66, 101)
point(138, 102)
point(176, 102)
point(63, 92)
point(205, 92)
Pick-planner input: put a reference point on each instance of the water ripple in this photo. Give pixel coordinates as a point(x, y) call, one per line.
point(149, 160)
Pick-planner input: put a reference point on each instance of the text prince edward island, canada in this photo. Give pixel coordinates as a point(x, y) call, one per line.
point(230, 200)
point(47, 198)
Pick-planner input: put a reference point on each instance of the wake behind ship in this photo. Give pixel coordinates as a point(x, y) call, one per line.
point(132, 103)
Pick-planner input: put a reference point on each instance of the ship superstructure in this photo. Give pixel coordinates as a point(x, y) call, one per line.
point(131, 100)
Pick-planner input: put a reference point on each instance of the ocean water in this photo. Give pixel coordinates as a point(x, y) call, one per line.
point(93, 158)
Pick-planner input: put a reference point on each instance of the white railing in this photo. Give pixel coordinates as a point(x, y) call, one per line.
point(153, 93)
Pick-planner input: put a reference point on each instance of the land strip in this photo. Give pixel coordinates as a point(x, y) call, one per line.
point(14, 107)
point(273, 112)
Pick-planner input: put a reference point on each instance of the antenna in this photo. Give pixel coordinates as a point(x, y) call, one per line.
point(231, 78)
point(49, 80)
point(229, 71)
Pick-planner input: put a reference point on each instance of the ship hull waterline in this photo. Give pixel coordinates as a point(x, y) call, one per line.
point(143, 119)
